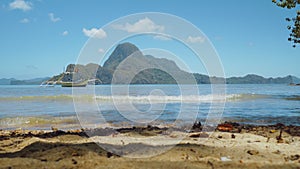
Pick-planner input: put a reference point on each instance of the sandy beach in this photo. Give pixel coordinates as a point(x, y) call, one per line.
point(152, 147)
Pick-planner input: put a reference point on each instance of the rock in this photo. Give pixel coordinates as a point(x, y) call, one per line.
point(252, 152)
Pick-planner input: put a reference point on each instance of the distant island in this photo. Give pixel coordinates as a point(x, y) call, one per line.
point(104, 74)
point(13, 81)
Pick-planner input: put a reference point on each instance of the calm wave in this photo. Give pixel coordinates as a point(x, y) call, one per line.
point(38, 107)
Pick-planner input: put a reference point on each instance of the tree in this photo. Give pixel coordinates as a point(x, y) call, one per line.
point(294, 23)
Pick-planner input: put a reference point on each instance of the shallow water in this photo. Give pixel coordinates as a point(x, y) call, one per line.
point(40, 107)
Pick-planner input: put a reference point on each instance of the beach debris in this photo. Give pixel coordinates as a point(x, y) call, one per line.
point(192, 150)
point(100, 132)
point(273, 131)
point(226, 127)
point(292, 157)
point(74, 161)
point(43, 159)
point(225, 159)
point(211, 164)
point(277, 152)
point(197, 126)
point(295, 157)
point(253, 152)
point(109, 154)
point(60, 158)
point(279, 138)
point(219, 136)
point(75, 154)
point(199, 135)
point(232, 136)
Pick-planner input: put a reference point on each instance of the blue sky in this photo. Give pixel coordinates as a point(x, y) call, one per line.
point(40, 37)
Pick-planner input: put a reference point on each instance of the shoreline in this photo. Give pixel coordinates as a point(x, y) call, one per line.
point(231, 127)
point(231, 145)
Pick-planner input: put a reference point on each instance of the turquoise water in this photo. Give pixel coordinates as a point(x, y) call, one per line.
point(40, 107)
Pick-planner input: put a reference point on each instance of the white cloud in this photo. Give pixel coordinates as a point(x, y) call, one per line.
point(25, 20)
point(94, 33)
point(142, 25)
point(52, 18)
point(100, 50)
point(65, 33)
point(21, 4)
point(195, 39)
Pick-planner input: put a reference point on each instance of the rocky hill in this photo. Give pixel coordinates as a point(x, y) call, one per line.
point(127, 64)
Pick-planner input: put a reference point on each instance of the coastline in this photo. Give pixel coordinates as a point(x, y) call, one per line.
point(231, 146)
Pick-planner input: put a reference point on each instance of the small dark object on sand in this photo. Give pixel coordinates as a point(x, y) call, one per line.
point(109, 154)
point(295, 157)
point(292, 157)
point(74, 161)
point(252, 152)
point(199, 135)
point(233, 136)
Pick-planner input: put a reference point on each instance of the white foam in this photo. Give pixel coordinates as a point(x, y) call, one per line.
point(166, 99)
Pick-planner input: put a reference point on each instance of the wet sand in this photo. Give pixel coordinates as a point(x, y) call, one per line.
point(230, 146)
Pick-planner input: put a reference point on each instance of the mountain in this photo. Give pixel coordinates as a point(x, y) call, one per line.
point(35, 81)
point(12, 81)
point(5, 81)
point(121, 52)
point(255, 79)
point(127, 64)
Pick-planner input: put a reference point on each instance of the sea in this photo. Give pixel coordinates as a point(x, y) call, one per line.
point(36, 107)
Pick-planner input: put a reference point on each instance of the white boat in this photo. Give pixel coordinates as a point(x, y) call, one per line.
point(48, 84)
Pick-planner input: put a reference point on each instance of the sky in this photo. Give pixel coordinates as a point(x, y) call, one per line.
point(40, 37)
